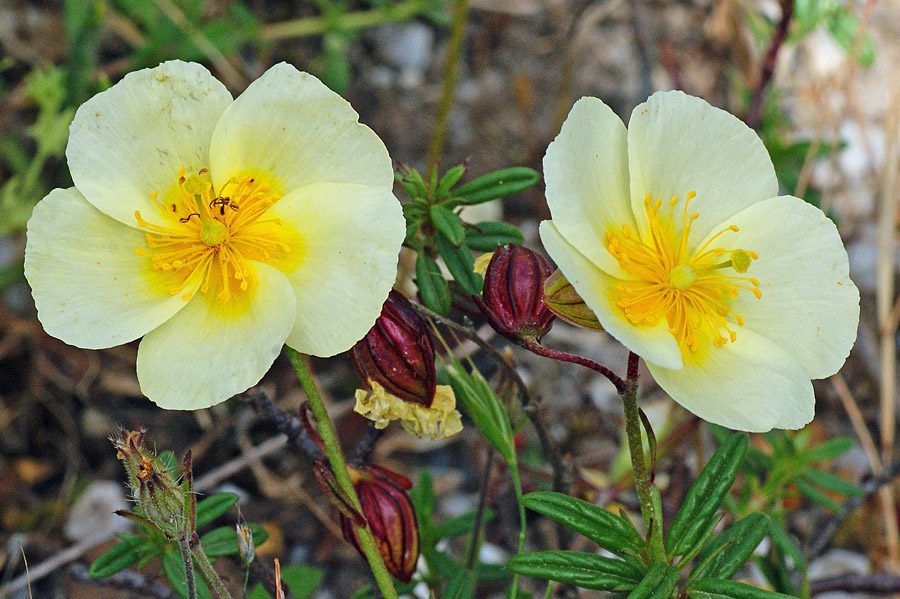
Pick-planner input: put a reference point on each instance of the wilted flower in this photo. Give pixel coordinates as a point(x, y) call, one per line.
point(512, 299)
point(388, 510)
point(217, 229)
point(673, 235)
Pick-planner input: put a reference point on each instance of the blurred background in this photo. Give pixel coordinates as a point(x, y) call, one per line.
point(819, 80)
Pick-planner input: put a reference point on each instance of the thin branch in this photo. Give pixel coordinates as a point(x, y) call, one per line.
point(285, 423)
point(754, 113)
point(857, 583)
point(622, 386)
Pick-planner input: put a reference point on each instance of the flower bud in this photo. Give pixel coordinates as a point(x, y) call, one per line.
point(397, 353)
point(512, 299)
point(561, 298)
point(165, 505)
point(389, 512)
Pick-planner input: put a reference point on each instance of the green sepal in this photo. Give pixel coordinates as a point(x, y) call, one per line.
point(449, 180)
point(586, 570)
point(487, 237)
point(723, 556)
point(713, 588)
point(600, 526)
point(659, 582)
point(224, 540)
point(121, 555)
point(432, 285)
point(460, 263)
point(462, 586)
point(495, 185)
point(448, 223)
point(698, 512)
point(167, 457)
point(212, 507)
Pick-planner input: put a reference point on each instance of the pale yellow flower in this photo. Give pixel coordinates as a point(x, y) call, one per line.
point(216, 229)
point(439, 421)
point(673, 234)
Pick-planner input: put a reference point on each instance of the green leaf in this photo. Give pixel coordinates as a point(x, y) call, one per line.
point(462, 586)
point(828, 450)
point(697, 515)
point(843, 26)
point(302, 580)
point(422, 495)
point(816, 495)
point(460, 263)
point(601, 526)
point(832, 482)
point(224, 541)
point(212, 507)
point(484, 408)
point(173, 566)
point(487, 237)
point(786, 544)
point(495, 185)
point(659, 582)
point(723, 556)
point(449, 180)
point(448, 223)
point(118, 557)
point(712, 588)
point(432, 285)
point(460, 525)
point(258, 592)
point(586, 570)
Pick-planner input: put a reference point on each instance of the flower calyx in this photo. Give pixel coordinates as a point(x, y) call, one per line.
point(513, 295)
point(561, 298)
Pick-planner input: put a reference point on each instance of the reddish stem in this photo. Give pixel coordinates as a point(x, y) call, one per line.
point(622, 386)
point(754, 113)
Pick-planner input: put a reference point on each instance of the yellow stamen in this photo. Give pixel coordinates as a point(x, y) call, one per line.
point(691, 290)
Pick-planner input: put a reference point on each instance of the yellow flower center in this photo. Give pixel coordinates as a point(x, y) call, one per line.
point(209, 238)
point(692, 291)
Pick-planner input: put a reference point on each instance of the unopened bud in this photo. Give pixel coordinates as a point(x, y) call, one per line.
point(245, 543)
point(389, 512)
point(561, 298)
point(397, 353)
point(512, 299)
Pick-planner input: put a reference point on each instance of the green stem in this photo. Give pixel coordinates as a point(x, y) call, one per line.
point(349, 21)
point(209, 573)
point(652, 519)
point(184, 546)
point(451, 68)
point(333, 452)
point(517, 485)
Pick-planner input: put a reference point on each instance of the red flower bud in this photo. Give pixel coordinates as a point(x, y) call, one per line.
point(512, 299)
point(389, 512)
point(397, 352)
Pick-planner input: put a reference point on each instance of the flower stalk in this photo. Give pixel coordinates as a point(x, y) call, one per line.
point(336, 457)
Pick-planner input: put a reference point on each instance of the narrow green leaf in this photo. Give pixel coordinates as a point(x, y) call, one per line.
point(723, 556)
point(659, 582)
point(601, 526)
point(586, 570)
point(496, 185)
point(449, 180)
point(422, 495)
point(302, 580)
point(432, 284)
point(173, 566)
point(816, 495)
point(210, 508)
point(698, 512)
point(460, 263)
point(118, 557)
point(448, 223)
point(411, 181)
point(462, 586)
point(833, 482)
point(483, 407)
point(223, 540)
point(258, 592)
point(828, 450)
point(783, 541)
point(712, 588)
point(487, 237)
point(460, 525)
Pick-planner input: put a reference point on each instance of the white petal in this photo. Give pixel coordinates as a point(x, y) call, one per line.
point(90, 287)
point(289, 125)
point(678, 143)
point(342, 265)
point(586, 172)
point(598, 290)
point(809, 305)
point(749, 385)
point(209, 352)
point(132, 139)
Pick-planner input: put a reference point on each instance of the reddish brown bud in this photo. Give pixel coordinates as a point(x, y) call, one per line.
point(389, 512)
point(512, 299)
point(397, 352)
point(561, 298)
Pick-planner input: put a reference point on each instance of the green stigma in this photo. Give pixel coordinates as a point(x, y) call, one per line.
point(682, 277)
point(740, 260)
point(212, 232)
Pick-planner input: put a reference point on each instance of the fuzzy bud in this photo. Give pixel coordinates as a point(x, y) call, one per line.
point(512, 299)
point(561, 298)
point(389, 512)
point(397, 353)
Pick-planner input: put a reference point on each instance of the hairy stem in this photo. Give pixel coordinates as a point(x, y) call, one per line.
point(336, 457)
point(209, 573)
point(184, 545)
